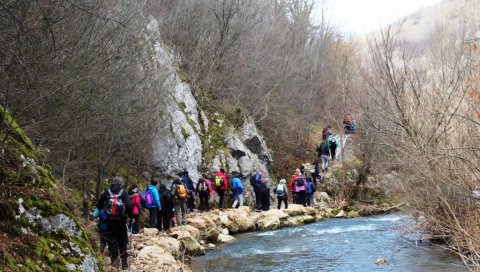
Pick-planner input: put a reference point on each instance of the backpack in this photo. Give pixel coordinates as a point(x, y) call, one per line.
point(143, 200)
point(309, 188)
point(218, 181)
point(203, 187)
point(253, 179)
point(347, 120)
point(280, 192)
point(299, 185)
point(182, 192)
point(115, 207)
point(149, 200)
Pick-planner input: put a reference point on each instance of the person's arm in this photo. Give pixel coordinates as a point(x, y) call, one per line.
point(225, 182)
point(128, 204)
point(157, 198)
point(101, 201)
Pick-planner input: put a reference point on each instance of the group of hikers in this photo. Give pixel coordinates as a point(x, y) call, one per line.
point(168, 207)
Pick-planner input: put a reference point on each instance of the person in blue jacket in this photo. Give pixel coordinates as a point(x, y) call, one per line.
point(237, 188)
point(152, 199)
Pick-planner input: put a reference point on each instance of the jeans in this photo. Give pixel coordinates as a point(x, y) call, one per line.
point(238, 200)
point(325, 159)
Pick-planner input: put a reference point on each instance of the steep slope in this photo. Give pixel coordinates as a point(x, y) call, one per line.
point(37, 231)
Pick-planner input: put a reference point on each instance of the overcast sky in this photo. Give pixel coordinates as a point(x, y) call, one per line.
point(357, 17)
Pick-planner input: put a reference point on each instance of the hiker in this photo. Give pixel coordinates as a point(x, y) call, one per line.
point(203, 192)
point(102, 227)
point(117, 205)
point(152, 202)
point(237, 188)
point(256, 183)
point(282, 193)
point(163, 222)
point(210, 185)
point(310, 192)
point(350, 123)
point(136, 198)
point(324, 154)
point(221, 187)
point(300, 189)
point(191, 189)
point(326, 132)
point(180, 194)
point(296, 175)
point(316, 171)
point(265, 194)
point(333, 144)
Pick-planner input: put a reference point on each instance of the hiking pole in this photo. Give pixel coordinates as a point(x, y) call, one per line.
point(131, 236)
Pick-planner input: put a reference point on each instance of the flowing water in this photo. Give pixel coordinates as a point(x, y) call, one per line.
point(330, 245)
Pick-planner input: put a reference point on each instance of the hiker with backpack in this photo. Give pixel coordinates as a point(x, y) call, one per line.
point(265, 194)
point(326, 132)
point(136, 198)
point(282, 193)
point(324, 154)
point(102, 227)
point(256, 183)
point(152, 202)
point(203, 192)
point(163, 222)
point(180, 194)
point(300, 189)
point(117, 205)
point(221, 187)
point(185, 178)
point(237, 188)
point(333, 144)
point(291, 183)
point(316, 171)
point(350, 124)
point(310, 192)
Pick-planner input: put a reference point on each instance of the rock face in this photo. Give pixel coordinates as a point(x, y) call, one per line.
point(185, 132)
point(39, 233)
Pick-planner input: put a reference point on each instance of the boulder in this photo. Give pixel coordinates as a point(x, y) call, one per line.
point(169, 244)
point(274, 212)
point(150, 231)
point(381, 261)
point(198, 223)
point(192, 246)
point(223, 238)
point(270, 222)
point(224, 221)
point(341, 214)
point(295, 209)
point(241, 218)
point(212, 234)
point(178, 232)
point(299, 220)
point(156, 254)
point(353, 214)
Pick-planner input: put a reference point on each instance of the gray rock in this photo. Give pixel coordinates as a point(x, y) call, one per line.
point(255, 142)
point(90, 264)
point(59, 222)
point(71, 267)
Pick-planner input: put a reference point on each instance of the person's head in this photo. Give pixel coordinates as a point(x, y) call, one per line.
point(185, 172)
point(309, 179)
point(117, 181)
point(155, 178)
point(133, 187)
point(283, 181)
point(154, 182)
point(222, 170)
point(297, 171)
point(329, 127)
point(205, 176)
point(176, 180)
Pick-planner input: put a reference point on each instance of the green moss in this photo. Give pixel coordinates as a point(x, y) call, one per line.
point(185, 133)
point(182, 106)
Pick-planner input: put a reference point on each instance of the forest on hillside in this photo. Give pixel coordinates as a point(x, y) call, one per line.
point(75, 77)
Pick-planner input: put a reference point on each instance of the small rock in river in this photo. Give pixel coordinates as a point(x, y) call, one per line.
point(381, 261)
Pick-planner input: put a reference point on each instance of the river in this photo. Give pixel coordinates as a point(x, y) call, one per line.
point(330, 245)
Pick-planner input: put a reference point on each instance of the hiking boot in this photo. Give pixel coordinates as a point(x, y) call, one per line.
point(125, 264)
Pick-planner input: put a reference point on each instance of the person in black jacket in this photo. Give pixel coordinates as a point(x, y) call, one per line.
point(117, 204)
point(203, 191)
point(185, 178)
point(167, 208)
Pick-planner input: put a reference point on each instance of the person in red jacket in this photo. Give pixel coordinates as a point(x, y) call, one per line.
point(221, 187)
point(134, 195)
point(297, 174)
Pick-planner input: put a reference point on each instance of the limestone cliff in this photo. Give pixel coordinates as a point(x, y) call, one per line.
point(38, 232)
point(193, 139)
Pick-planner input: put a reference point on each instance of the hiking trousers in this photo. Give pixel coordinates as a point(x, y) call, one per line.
point(191, 201)
point(204, 196)
point(265, 199)
point(221, 195)
point(238, 200)
point(117, 235)
point(302, 198)
point(181, 211)
point(136, 224)
point(310, 200)
point(152, 220)
point(333, 150)
point(284, 199)
point(258, 197)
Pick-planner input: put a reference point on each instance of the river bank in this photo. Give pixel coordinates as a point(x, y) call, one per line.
point(171, 250)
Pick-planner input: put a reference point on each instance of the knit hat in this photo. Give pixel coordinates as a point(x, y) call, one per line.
point(117, 181)
point(283, 181)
